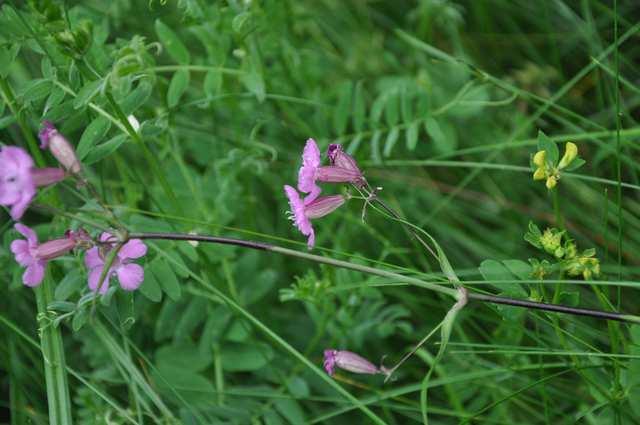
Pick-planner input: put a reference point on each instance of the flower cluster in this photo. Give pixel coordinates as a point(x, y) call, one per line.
point(342, 169)
point(19, 179)
point(565, 251)
point(545, 162)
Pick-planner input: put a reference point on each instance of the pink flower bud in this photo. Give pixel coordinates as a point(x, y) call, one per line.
point(333, 174)
point(339, 158)
point(47, 176)
point(60, 147)
point(351, 362)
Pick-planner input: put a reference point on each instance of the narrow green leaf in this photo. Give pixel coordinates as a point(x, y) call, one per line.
point(104, 149)
point(92, 136)
point(341, 111)
point(241, 357)
point(412, 135)
point(86, 93)
point(137, 97)
point(212, 83)
point(359, 108)
point(35, 90)
point(7, 56)
point(166, 277)
point(150, 288)
point(392, 138)
point(177, 87)
point(391, 113)
point(175, 48)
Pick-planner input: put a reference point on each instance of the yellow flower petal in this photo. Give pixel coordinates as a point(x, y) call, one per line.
point(539, 158)
point(539, 174)
point(570, 153)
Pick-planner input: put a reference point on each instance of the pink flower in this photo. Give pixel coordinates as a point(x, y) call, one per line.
point(304, 211)
point(17, 187)
point(59, 147)
point(19, 178)
point(351, 362)
point(129, 274)
point(307, 173)
point(311, 172)
point(341, 159)
point(34, 256)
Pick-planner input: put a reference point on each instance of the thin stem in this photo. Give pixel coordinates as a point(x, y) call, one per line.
point(391, 275)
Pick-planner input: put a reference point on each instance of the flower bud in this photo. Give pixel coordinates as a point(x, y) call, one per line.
point(551, 240)
point(333, 174)
point(570, 153)
point(551, 182)
point(351, 362)
point(539, 158)
point(59, 147)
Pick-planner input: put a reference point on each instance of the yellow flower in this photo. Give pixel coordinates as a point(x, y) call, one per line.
point(539, 159)
point(570, 153)
point(551, 182)
point(539, 174)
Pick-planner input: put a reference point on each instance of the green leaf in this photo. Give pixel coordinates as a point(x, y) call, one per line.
point(177, 87)
point(194, 315)
point(440, 142)
point(241, 357)
point(92, 135)
point(69, 285)
point(375, 147)
point(212, 83)
point(55, 97)
point(521, 269)
point(341, 111)
point(405, 105)
point(175, 48)
point(79, 320)
point(500, 277)
point(548, 145)
point(392, 138)
point(533, 235)
point(86, 93)
point(291, 410)
point(359, 108)
point(35, 90)
point(391, 112)
point(182, 355)
point(150, 288)
point(166, 277)
point(253, 81)
point(7, 56)
point(189, 385)
point(137, 97)
point(378, 108)
point(412, 135)
point(575, 164)
point(105, 149)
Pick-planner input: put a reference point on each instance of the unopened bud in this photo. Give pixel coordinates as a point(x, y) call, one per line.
point(539, 174)
point(46, 176)
point(60, 147)
point(54, 248)
point(551, 182)
point(539, 158)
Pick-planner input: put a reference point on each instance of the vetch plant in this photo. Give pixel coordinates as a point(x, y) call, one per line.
point(545, 163)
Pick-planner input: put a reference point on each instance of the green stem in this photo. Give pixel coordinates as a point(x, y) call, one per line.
point(55, 367)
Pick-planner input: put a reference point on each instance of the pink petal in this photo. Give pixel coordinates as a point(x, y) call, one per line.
point(94, 277)
point(34, 274)
point(92, 258)
point(311, 241)
point(311, 154)
point(18, 209)
point(28, 233)
point(107, 237)
point(20, 249)
point(130, 276)
point(135, 248)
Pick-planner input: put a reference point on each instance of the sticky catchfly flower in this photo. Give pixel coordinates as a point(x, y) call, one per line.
point(302, 211)
point(34, 256)
point(17, 187)
point(351, 362)
point(311, 171)
point(339, 158)
point(130, 275)
point(59, 146)
point(19, 179)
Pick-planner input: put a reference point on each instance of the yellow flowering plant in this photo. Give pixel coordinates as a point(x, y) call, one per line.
point(546, 163)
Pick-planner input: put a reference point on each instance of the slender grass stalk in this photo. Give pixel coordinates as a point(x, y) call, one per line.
point(51, 345)
point(387, 274)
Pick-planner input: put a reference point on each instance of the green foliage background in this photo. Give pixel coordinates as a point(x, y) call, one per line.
point(439, 101)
